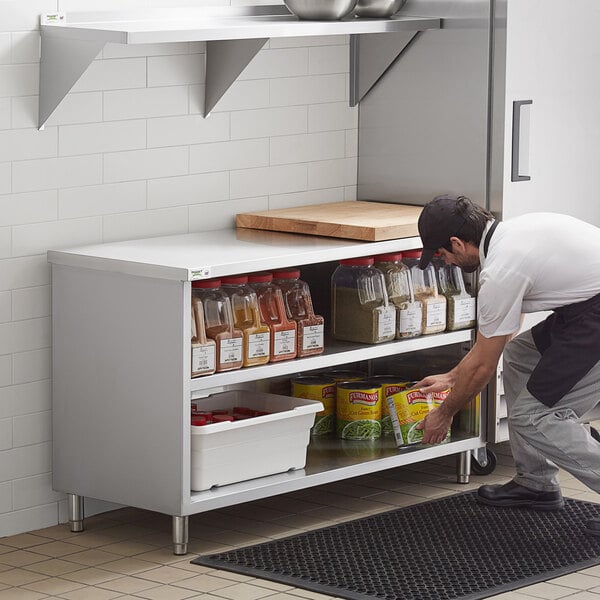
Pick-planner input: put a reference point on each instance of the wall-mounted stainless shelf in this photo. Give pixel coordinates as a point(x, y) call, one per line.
point(234, 35)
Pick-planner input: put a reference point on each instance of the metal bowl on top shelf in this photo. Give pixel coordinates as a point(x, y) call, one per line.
point(320, 10)
point(378, 9)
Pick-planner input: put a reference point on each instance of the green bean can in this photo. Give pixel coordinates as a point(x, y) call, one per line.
point(319, 388)
point(345, 375)
point(358, 410)
point(390, 385)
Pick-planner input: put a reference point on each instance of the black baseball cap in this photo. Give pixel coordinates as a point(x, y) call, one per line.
point(438, 222)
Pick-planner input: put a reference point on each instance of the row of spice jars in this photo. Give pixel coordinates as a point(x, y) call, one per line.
point(377, 299)
point(248, 320)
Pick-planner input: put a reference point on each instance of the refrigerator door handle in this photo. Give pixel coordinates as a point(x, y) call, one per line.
point(520, 140)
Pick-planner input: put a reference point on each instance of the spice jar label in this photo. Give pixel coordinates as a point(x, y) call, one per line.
point(203, 358)
point(285, 342)
point(313, 337)
point(411, 319)
point(386, 322)
point(231, 350)
point(258, 345)
point(436, 314)
point(464, 310)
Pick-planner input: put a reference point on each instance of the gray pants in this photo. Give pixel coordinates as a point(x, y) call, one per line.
point(544, 438)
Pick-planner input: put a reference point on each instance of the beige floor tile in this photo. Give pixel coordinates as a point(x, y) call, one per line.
point(91, 576)
point(56, 549)
point(4, 549)
point(166, 592)
point(128, 566)
point(24, 540)
point(20, 594)
point(127, 585)
point(186, 565)
point(54, 567)
point(166, 574)
point(92, 539)
point(5, 568)
point(587, 595)
point(20, 558)
point(90, 593)
point(20, 577)
point(243, 591)
point(548, 591)
point(578, 581)
point(57, 532)
point(231, 576)
point(511, 596)
point(127, 548)
point(162, 556)
point(272, 585)
point(53, 586)
point(93, 558)
point(204, 583)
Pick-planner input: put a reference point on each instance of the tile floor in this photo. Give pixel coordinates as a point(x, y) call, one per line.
point(126, 554)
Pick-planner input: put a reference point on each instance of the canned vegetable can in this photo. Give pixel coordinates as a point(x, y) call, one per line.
point(322, 389)
point(358, 410)
point(408, 408)
point(390, 385)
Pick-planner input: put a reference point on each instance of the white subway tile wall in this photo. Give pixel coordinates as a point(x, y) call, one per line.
point(129, 154)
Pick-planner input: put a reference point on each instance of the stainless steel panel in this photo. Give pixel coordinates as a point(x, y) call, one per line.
point(423, 129)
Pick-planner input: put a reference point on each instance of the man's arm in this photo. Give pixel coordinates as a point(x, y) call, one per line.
point(467, 379)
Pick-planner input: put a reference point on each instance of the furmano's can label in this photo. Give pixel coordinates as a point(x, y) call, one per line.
point(408, 408)
point(321, 389)
point(358, 410)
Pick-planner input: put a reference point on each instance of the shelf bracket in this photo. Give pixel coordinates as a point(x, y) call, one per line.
point(63, 63)
point(225, 60)
point(371, 55)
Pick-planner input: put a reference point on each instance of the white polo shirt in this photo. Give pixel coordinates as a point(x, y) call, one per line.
point(538, 261)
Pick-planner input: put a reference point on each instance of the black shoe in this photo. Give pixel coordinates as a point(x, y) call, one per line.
point(592, 527)
point(512, 494)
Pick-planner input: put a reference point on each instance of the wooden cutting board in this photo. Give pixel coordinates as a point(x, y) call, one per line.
point(356, 220)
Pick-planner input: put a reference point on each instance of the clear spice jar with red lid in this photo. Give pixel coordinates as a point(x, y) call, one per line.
point(273, 313)
point(361, 311)
point(299, 307)
point(218, 321)
point(204, 350)
point(246, 317)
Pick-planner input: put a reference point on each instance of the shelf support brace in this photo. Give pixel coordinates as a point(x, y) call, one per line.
point(63, 63)
point(371, 55)
point(225, 60)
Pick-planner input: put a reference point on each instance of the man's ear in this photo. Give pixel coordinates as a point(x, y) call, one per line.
point(457, 244)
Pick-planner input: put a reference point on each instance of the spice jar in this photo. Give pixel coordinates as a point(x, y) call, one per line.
point(399, 286)
point(359, 303)
point(299, 307)
point(218, 320)
point(273, 314)
point(461, 305)
point(246, 317)
point(426, 291)
point(203, 349)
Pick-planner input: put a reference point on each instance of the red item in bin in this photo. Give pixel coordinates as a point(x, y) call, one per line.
point(220, 411)
point(198, 420)
point(221, 418)
point(244, 410)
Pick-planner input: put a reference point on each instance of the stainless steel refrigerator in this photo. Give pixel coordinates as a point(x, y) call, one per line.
point(501, 104)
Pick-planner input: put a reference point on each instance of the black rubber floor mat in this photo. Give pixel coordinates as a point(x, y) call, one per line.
point(453, 548)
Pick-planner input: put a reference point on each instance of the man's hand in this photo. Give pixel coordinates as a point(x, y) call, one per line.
point(435, 425)
point(436, 383)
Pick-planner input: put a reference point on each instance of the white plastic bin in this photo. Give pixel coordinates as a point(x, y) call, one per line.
point(235, 451)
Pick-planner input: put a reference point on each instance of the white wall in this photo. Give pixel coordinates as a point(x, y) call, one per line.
point(126, 155)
